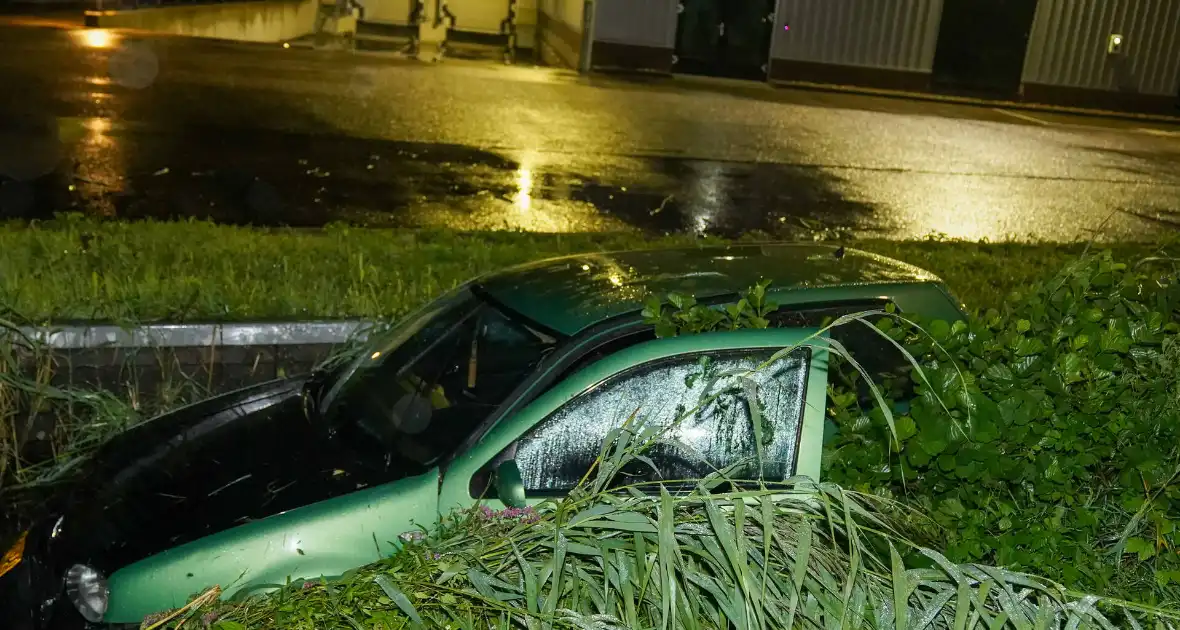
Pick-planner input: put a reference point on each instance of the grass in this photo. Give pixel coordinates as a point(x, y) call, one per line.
point(73, 269)
point(192, 271)
point(76, 269)
point(817, 557)
point(821, 557)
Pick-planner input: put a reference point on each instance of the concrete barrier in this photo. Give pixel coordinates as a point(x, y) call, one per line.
point(268, 21)
point(158, 367)
point(92, 336)
point(161, 363)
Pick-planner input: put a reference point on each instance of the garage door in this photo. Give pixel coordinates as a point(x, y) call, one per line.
point(479, 16)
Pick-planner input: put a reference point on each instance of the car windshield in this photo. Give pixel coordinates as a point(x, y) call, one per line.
point(420, 391)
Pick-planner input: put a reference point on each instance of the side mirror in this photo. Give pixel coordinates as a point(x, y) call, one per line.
point(509, 485)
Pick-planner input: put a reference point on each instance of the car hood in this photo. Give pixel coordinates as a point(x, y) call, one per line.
point(187, 474)
point(213, 419)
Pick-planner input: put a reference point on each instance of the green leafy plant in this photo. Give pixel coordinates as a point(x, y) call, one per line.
point(684, 315)
point(1043, 435)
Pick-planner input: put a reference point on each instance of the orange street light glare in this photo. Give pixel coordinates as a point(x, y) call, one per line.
point(96, 37)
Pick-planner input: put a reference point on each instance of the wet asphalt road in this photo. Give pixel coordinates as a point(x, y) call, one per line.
point(169, 127)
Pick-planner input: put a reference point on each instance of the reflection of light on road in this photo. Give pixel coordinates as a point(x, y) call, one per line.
point(708, 196)
point(960, 208)
point(523, 199)
point(100, 165)
point(98, 125)
point(96, 37)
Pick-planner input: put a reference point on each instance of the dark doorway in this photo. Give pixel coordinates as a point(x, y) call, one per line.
point(981, 46)
point(724, 38)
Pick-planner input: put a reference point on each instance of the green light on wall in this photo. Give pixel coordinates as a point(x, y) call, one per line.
point(1115, 44)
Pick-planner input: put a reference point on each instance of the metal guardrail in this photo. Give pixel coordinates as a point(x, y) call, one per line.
point(77, 337)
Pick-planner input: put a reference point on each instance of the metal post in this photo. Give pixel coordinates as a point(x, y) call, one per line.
point(585, 63)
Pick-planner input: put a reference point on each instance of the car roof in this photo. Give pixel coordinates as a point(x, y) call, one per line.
point(573, 293)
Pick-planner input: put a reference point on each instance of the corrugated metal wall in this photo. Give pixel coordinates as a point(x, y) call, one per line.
point(639, 22)
point(1068, 43)
point(893, 34)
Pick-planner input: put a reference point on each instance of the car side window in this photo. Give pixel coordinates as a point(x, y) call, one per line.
point(700, 403)
point(883, 361)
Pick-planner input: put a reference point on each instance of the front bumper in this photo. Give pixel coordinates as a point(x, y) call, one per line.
point(16, 599)
point(32, 598)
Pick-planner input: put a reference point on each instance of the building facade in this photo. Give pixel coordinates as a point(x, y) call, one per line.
point(1108, 53)
point(1070, 57)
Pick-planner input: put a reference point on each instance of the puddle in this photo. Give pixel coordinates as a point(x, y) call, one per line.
point(275, 178)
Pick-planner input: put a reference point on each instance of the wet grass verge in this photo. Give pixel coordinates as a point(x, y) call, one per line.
point(73, 269)
point(483, 565)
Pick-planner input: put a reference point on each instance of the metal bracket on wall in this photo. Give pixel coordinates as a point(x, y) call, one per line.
point(508, 27)
point(443, 12)
point(417, 17)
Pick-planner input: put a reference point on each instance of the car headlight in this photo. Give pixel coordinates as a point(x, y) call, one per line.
point(13, 556)
point(87, 590)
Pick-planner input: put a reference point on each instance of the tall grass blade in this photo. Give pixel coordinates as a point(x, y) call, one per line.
point(399, 599)
point(626, 589)
point(666, 551)
point(799, 570)
point(901, 591)
point(530, 579)
point(751, 391)
point(558, 573)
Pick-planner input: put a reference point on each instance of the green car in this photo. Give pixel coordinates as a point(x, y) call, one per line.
point(503, 391)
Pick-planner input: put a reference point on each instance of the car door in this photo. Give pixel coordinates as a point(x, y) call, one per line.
point(555, 439)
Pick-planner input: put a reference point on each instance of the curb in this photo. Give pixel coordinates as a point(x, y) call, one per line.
point(978, 102)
